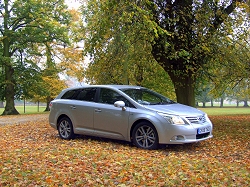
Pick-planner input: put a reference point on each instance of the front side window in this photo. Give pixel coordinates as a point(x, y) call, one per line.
point(110, 97)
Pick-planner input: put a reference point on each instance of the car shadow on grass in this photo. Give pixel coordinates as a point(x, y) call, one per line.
point(118, 144)
point(188, 147)
point(113, 143)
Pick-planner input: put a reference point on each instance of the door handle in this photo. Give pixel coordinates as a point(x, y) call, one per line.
point(98, 110)
point(72, 107)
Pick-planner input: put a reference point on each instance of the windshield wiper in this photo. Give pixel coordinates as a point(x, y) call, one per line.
point(163, 103)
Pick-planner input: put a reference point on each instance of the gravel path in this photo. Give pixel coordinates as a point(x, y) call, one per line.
point(24, 118)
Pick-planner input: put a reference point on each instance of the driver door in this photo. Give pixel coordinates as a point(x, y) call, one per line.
point(110, 121)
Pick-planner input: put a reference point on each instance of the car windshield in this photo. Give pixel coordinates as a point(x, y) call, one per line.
point(146, 97)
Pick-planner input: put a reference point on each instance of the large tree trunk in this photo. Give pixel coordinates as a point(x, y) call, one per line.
point(185, 95)
point(184, 88)
point(9, 92)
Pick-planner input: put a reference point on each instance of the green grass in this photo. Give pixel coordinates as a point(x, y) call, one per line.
point(226, 111)
point(28, 109)
point(209, 110)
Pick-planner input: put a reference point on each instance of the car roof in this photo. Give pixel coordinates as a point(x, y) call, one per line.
point(114, 86)
point(121, 86)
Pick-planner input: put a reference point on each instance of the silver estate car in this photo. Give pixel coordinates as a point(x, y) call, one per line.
point(131, 113)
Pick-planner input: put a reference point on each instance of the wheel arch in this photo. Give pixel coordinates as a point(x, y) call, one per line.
point(137, 122)
point(60, 117)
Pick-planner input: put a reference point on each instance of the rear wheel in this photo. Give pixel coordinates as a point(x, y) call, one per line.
point(145, 136)
point(65, 128)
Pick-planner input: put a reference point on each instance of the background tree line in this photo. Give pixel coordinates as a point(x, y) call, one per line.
point(181, 49)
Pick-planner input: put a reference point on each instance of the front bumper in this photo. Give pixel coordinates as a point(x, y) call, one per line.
point(181, 134)
point(182, 139)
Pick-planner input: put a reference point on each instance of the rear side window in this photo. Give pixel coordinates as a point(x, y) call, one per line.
point(70, 94)
point(87, 94)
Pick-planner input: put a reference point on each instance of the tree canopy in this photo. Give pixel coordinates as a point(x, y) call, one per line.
point(181, 36)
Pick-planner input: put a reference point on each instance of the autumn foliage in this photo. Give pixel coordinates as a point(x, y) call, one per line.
point(32, 154)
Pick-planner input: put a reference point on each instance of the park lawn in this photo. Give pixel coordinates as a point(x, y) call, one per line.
point(32, 154)
point(28, 109)
point(226, 110)
point(209, 110)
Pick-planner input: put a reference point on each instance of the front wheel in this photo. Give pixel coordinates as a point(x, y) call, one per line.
point(145, 136)
point(65, 128)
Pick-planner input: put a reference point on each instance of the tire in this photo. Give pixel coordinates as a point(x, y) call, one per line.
point(145, 136)
point(65, 129)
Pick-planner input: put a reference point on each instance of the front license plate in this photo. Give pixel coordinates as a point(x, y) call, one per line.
point(203, 130)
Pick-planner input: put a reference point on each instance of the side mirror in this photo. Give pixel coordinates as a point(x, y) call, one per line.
point(120, 104)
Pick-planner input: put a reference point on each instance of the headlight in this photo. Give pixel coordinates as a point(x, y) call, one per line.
point(177, 120)
point(207, 118)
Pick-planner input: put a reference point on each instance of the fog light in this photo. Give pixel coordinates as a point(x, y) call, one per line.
point(179, 137)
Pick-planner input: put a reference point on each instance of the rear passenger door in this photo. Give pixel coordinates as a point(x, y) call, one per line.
point(82, 110)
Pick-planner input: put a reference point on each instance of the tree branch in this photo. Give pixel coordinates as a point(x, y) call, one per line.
point(220, 15)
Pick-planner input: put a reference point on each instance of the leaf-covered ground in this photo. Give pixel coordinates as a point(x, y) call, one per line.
point(32, 154)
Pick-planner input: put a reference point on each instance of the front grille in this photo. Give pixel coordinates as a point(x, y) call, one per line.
point(200, 136)
point(197, 119)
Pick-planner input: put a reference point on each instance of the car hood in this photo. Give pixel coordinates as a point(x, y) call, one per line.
point(176, 109)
